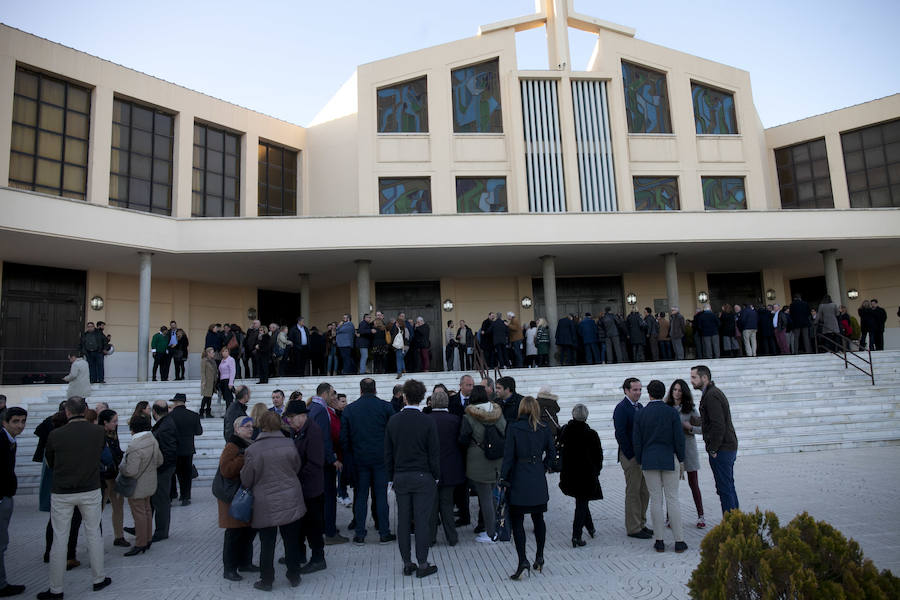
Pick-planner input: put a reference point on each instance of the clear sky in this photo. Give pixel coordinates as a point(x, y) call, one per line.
point(286, 58)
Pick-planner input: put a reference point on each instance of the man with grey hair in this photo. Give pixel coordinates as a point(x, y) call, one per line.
point(580, 412)
point(488, 384)
point(707, 324)
point(453, 471)
point(166, 434)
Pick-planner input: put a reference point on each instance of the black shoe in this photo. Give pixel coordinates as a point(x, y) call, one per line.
point(659, 546)
point(294, 580)
point(680, 547)
point(352, 525)
point(186, 502)
point(647, 530)
point(592, 532)
point(387, 539)
point(136, 550)
point(129, 530)
point(538, 563)
point(232, 576)
point(48, 595)
point(251, 568)
point(426, 571)
point(578, 542)
point(359, 541)
point(47, 556)
point(410, 568)
point(523, 567)
point(121, 542)
point(282, 561)
point(641, 535)
point(313, 566)
point(99, 586)
point(11, 590)
point(158, 538)
point(263, 586)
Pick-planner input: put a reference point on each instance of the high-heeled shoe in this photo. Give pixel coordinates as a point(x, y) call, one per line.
point(592, 532)
point(578, 542)
point(538, 563)
point(523, 567)
point(136, 550)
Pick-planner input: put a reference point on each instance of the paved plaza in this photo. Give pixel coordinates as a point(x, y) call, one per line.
point(856, 490)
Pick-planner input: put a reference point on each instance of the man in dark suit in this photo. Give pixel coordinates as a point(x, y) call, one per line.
point(166, 435)
point(500, 337)
point(13, 423)
point(187, 425)
point(486, 341)
point(614, 352)
point(300, 351)
point(589, 333)
point(318, 414)
point(459, 400)
point(637, 496)
point(457, 406)
point(801, 322)
point(412, 461)
point(707, 324)
point(566, 338)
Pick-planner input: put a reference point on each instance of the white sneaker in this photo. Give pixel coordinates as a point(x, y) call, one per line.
point(346, 501)
point(483, 538)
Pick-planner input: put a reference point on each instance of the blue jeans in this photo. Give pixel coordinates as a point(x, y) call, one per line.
point(400, 365)
point(369, 474)
point(331, 367)
point(363, 359)
point(723, 472)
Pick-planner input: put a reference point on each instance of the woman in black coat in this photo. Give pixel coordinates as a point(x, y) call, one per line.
point(582, 459)
point(526, 457)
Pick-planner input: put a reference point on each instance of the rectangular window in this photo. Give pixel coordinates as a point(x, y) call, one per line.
point(872, 163)
point(277, 181)
point(217, 172)
point(404, 195)
point(724, 193)
point(646, 100)
point(481, 194)
point(403, 107)
point(713, 110)
point(476, 98)
point(803, 177)
point(656, 193)
point(50, 125)
point(140, 166)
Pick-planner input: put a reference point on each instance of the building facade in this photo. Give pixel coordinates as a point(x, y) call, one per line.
point(445, 182)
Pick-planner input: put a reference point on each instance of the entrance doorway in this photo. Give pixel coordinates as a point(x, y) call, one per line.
point(41, 320)
point(277, 307)
point(734, 288)
point(811, 289)
point(579, 295)
point(416, 299)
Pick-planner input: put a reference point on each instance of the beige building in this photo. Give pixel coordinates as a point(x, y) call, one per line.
point(445, 182)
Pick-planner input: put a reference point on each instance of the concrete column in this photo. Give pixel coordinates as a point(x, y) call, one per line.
point(99, 149)
point(183, 166)
point(832, 283)
point(549, 268)
point(842, 284)
point(143, 346)
point(362, 287)
point(304, 297)
point(671, 278)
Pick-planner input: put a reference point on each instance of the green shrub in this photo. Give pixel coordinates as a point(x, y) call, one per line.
point(750, 556)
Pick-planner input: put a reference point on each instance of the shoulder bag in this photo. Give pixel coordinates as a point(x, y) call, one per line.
point(242, 505)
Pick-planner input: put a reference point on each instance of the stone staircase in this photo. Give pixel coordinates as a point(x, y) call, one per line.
point(779, 404)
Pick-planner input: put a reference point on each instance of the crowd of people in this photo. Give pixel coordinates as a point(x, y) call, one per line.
point(295, 460)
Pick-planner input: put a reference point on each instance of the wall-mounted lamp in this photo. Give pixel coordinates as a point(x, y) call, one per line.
point(252, 314)
point(527, 302)
point(97, 303)
point(853, 293)
point(631, 299)
point(770, 295)
point(447, 305)
point(702, 297)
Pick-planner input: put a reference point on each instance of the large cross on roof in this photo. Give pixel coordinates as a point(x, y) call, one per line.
point(557, 16)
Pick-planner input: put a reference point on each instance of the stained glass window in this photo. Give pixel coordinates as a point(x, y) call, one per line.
point(713, 110)
point(872, 163)
point(724, 193)
point(404, 195)
point(656, 193)
point(277, 183)
point(803, 177)
point(481, 194)
point(403, 107)
point(217, 172)
point(646, 100)
point(476, 98)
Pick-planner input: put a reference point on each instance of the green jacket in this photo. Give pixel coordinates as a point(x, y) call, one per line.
point(160, 343)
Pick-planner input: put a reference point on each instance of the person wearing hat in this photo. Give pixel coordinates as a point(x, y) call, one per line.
point(187, 425)
point(308, 438)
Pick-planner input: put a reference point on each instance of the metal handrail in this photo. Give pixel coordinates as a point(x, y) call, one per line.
point(846, 348)
point(480, 364)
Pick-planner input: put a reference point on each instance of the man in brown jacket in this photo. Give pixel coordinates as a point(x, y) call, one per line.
point(73, 452)
point(718, 435)
point(516, 338)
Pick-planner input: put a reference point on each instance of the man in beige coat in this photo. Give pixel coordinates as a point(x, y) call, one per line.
point(79, 377)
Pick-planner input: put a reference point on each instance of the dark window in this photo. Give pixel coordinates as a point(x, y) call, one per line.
point(49, 145)
point(217, 172)
point(481, 194)
point(404, 195)
point(713, 110)
point(277, 181)
point(140, 165)
point(403, 107)
point(646, 100)
point(803, 177)
point(476, 98)
point(724, 193)
point(656, 193)
point(872, 162)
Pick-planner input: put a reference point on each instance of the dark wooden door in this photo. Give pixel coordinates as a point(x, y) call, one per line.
point(41, 319)
point(416, 299)
point(282, 308)
point(579, 295)
point(811, 289)
point(734, 288)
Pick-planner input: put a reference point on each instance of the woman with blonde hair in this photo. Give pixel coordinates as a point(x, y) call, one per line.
point(258, 410)
point(526, 460)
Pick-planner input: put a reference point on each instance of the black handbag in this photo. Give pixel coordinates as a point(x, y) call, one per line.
point(125, 486)
point(224, 489)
